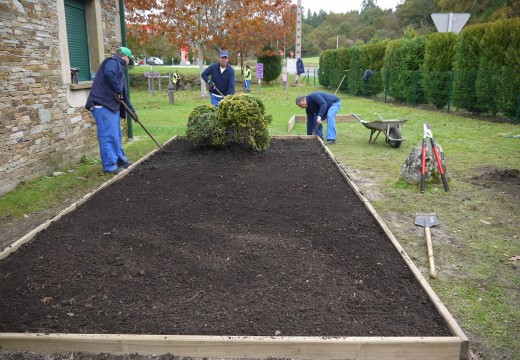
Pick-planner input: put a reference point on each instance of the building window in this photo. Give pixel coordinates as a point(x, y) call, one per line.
point(77, 36)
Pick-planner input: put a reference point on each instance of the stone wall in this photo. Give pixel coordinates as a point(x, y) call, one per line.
point(43, 125)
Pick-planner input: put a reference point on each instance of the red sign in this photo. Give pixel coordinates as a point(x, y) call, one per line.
point(292, 54)
point(281, 53)
point(184, 53)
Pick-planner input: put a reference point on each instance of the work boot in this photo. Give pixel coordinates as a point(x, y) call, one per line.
point(120, 163)
point(117, 171)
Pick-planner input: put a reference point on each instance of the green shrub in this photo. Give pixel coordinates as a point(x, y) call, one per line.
point(272, 63)
point(202, 109)
point(403, 60)
point(466, 67)
point(357, 69)
point(243, 116)
point(326, 67)
point(437, 68)
point(203, 126)
point(373, 59)
point(239, 119)
point(491, 77)
point(343, 65)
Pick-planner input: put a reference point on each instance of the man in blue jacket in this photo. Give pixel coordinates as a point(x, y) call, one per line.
point(104, 101)
point(222, 80)
point(320, 106)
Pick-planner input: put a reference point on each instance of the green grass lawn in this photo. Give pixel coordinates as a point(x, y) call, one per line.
point(479, 227)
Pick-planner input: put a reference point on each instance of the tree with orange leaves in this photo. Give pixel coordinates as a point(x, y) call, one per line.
point(235, 25)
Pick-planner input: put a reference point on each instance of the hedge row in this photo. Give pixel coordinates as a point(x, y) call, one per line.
point(477, 70)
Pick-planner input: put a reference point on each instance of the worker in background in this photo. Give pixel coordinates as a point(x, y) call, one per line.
point(247, 79)
point(222, 81)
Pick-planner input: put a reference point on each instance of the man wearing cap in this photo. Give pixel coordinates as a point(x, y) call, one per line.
point(320, 106)
point(222, 80)
point(104, 101)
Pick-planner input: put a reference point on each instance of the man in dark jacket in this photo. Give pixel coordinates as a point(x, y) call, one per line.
point(104, 101)
point(222, 80)
point(320, 106)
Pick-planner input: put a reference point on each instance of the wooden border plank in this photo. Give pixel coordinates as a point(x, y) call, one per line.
point(303, 118)
point(398, 348)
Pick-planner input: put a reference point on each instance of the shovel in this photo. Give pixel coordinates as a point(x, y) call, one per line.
point(427, 221)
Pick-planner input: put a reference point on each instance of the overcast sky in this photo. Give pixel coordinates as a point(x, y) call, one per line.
point(343, 6)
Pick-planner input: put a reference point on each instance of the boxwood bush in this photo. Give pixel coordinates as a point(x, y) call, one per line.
point(240, 119)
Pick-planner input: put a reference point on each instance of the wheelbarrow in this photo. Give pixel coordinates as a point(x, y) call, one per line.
point(391, 129)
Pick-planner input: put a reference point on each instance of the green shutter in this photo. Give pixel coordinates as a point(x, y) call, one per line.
point(75, 16)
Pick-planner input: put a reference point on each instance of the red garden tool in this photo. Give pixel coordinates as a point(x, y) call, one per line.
point(428, 134)
point(437, 157)
point(423, 156)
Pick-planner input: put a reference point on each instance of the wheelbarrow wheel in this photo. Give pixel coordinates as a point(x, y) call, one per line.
point(394, 133)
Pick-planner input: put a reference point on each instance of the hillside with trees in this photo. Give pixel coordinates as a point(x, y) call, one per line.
point(245, 27)
point(322, 31)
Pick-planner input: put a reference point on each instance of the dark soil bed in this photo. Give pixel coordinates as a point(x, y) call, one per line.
point(218, 242)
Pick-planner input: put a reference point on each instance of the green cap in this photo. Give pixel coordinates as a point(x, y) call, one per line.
point(126, 51)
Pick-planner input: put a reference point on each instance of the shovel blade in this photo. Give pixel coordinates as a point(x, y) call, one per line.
point(426, 220)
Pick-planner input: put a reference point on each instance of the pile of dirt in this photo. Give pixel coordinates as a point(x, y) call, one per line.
point(218, 242)
point(506, 180)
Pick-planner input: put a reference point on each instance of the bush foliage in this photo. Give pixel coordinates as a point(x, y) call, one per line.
point(272, 63)
point(239, 119)
point(477, 70)
point(439, 57)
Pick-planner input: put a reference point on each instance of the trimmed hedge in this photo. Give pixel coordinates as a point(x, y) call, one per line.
point(439, 57)
point(467, 61)
point(477, 70)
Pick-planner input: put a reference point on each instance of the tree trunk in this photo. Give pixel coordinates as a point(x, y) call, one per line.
point(200, 63)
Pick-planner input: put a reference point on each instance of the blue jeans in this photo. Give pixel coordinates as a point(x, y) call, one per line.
point(247, 85)
point(331, 120)
point(215, 99)
point(331, 123)
point(110, 138)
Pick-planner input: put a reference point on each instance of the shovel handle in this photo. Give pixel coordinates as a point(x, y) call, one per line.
point(427, 233)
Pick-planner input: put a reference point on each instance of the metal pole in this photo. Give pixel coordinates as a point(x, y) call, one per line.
point(517, 116)
point(452, 77)
point(122, 22)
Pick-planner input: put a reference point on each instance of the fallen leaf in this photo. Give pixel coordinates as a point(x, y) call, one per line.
point(514, 258)
point(46, 299)
point(26, 216)
point(70, 314)
point(485, 222)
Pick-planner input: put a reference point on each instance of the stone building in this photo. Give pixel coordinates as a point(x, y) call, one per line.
point(43, 122)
